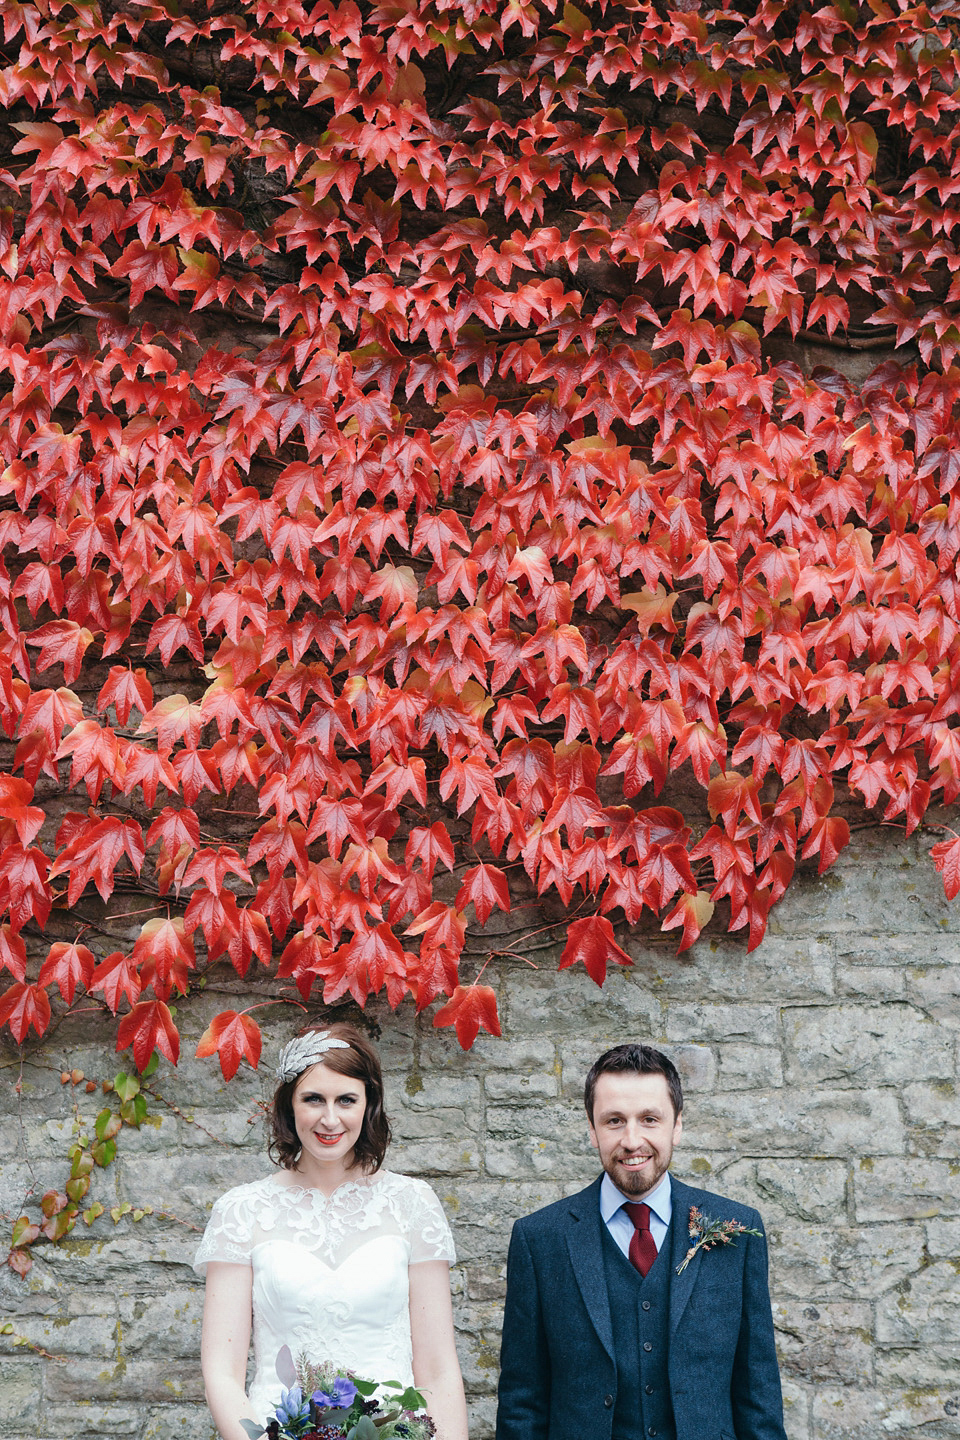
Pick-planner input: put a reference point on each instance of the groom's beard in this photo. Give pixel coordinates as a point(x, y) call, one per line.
point(638, 1180)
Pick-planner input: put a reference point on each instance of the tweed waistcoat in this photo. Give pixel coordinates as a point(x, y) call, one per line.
point(640, 1307)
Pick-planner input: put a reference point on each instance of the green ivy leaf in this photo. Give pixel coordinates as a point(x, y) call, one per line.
point(134, 1111)
point(104, 1152)
point(24, 1231)
point(126, 1085)
point(107, 1125)
point(78, 1187)
point(81, 1162)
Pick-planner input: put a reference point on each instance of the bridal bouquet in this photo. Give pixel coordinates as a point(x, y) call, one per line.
point(324, 1402)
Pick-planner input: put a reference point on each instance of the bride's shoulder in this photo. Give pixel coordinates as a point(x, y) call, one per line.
point(392, 1182)
point(406, 1193)
point(251, 1193)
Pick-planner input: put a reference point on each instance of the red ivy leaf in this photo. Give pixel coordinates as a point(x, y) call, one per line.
point(469, 1008)
point(67, 966)
point(117, 976)
point(591, 940)
point(22, 1006)
point(946, 857)
point(149, 1027)
point(232, 1037)
point(485, 886)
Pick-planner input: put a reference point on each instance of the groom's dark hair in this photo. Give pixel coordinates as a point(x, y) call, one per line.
point(639, 1060)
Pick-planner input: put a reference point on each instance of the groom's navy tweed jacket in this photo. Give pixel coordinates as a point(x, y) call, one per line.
point(558, 1377)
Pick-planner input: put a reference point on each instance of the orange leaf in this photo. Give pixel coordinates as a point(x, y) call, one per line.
point(233, 1037)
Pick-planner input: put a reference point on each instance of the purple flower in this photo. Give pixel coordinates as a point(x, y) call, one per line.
point(341, 1395)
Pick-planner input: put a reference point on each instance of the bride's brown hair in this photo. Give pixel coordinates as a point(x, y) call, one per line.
point(360, 1062)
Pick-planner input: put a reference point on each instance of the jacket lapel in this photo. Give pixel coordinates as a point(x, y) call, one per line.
point(584, 1243)
point(681, 1286)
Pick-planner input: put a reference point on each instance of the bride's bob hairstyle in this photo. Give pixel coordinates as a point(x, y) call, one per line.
point(361, 1062)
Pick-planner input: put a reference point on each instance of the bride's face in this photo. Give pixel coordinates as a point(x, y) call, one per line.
point(328, 1114)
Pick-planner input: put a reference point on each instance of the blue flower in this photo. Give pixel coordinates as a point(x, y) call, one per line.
point(292, 1411)
point(340, 1397)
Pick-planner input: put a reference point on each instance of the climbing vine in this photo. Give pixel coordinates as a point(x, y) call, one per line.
point(430, 432)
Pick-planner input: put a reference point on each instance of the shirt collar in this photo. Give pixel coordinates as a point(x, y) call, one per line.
point(659, 1199)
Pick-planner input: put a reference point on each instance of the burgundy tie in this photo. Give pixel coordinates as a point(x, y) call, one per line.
point(643, 1247)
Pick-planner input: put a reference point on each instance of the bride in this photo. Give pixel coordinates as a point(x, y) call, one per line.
point(330, 1255)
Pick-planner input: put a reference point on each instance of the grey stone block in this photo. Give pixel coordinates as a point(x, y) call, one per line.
point(410, 1126)
point(20, 1396)
point(540, 1156)
point(568, 1003)
point(826, 1122)
point(943, 1238)
point(704, 1021)
point(239, 1127)
point(937, 987)
point(925, 1308)
point(844, 1044)
point(88, 1419)
point(518, 1052)
point(92, 1335)
point(870, 981)
point(515, 1089)
point(783, 968)
point(889, 1188)
point(809, 1189)
point(481, 1416)
point(179, 1422)
point(817, 1263)
point(166, 1324)
point(187, 1184)
point(437, 1092)
point(827, 1342)
point(796, 1409)
point(108, 1258)
point(749, 1067)
point(860, 885)
point(848, 1413)
point(142, 1382)
point(435, 1157)
point(919, 1367)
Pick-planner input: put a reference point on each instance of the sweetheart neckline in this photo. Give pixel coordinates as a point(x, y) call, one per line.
point(302, 1250)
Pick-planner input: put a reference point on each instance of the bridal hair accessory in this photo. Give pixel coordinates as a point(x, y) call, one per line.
point(705, 1233)
point(305, 1050)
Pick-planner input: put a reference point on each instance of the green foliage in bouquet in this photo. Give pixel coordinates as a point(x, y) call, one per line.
point(326, 1402)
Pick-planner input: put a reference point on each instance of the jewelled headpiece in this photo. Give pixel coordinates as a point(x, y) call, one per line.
point(306, 1050)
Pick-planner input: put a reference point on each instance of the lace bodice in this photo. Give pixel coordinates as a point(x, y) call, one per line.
point(329, 1272)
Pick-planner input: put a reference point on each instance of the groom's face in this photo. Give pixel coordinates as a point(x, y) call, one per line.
point(634, 1129)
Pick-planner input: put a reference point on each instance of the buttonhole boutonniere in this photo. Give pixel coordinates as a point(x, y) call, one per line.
point(705, 1233)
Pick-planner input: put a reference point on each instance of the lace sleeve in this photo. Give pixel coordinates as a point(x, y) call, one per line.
point(426, 1225)
point(229, 1232)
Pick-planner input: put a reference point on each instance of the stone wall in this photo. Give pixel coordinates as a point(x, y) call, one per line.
point(821, 1074)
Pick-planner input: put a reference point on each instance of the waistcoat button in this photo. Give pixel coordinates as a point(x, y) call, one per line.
point(647, 1346)
point(649, 1389)
point(646, 1304)
point(608, 1401)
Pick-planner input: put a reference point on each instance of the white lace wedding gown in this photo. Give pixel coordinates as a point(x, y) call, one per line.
point(329, 1273)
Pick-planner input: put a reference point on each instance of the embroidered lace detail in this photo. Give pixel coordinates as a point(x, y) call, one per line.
point(328, 1225)
point(330, 1273)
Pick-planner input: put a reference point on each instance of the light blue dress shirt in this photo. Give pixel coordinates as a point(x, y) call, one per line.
point(617, 1220)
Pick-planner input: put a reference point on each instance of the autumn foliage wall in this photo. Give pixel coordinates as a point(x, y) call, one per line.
point(409, 463)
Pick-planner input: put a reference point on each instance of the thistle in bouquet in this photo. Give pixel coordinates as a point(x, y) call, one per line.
point(326, 1402)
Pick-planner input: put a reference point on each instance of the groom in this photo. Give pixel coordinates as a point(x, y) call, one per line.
point(602, 1338)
